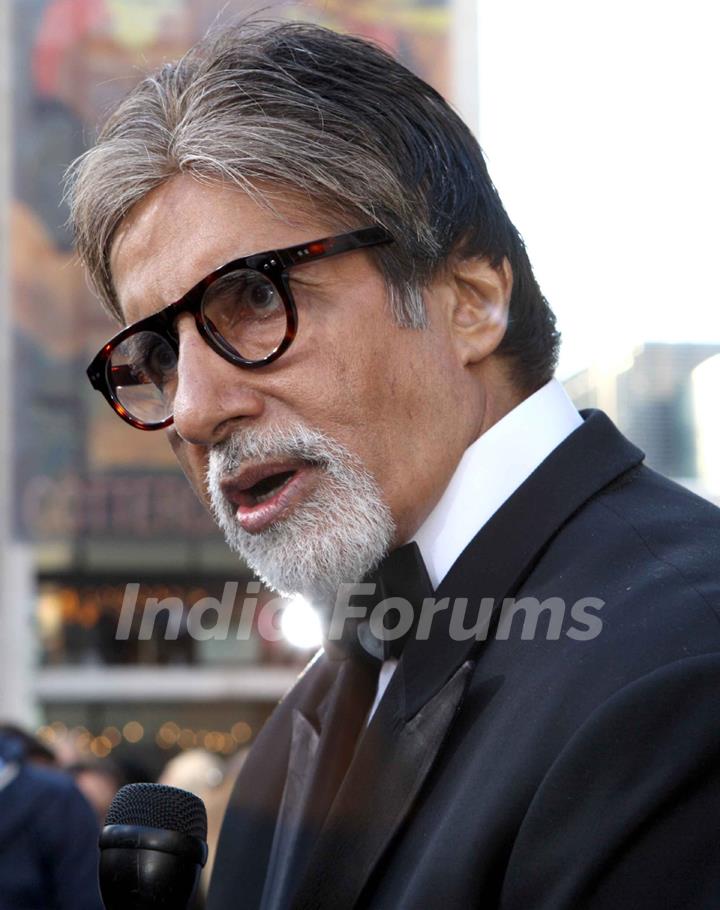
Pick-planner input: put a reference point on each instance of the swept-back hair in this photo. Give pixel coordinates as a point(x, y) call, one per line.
point(337, 120)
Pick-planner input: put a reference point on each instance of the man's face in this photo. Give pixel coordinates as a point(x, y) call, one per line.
point(354, 432)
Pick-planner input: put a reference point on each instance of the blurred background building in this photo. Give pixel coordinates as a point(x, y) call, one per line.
point(90, 505)
point(664, 396)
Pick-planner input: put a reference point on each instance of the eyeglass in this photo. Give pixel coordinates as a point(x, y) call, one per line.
point(244, 310)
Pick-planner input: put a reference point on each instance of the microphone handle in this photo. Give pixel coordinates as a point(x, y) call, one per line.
point(146, 880)
point(149, 868)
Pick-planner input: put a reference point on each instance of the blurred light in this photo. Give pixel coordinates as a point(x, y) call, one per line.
point(162, 743)
point(88, 616)
point(47, 734)
point(300, 624)
point(101, 746)
point(186, 739)
point(228, 746)
point(213, 742)
point(49, 614)
point(168, 734)
point(113, 735)
point(133, 731)
point(241, 732)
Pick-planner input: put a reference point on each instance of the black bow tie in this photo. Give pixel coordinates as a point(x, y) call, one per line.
point(401, 574)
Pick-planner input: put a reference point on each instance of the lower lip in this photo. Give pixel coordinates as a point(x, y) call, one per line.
point(254, 519)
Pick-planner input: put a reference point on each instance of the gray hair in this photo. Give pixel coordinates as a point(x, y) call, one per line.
point(272, 107)
point(222, 113)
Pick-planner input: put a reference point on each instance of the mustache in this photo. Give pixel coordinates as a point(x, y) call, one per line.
point(258, 444)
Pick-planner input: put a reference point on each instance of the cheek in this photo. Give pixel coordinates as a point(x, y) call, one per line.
point(409, 375)
point(388, 395)
point(417, 418)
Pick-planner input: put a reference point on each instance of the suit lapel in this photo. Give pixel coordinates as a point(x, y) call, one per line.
point(392, 761)
point(249, 827)
point(288, 830)
point(504, 551)
point(317, 764)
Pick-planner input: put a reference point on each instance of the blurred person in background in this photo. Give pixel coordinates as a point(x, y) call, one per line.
point(329, 311)
point(33, 750)
point(98, 780)
point(212, 779)
point(48, 832)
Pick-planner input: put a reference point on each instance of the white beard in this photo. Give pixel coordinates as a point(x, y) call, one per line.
point(338, 534)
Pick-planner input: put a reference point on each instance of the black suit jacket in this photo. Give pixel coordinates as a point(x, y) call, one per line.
point(515, 773)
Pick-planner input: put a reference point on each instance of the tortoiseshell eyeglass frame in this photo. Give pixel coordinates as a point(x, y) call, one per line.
point(274, 264)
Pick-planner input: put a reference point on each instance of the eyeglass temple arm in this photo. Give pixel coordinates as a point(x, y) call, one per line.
point(331, 246)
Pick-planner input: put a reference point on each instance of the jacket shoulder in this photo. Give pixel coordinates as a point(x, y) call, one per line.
point(677, 531)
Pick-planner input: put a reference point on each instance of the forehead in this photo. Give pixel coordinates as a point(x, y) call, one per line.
point(185, 229)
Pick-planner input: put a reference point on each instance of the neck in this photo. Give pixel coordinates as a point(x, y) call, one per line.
point(488, 403)
point(499, 395)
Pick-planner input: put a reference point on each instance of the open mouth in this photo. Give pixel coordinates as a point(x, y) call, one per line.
point(264, 489)
point(265, 493)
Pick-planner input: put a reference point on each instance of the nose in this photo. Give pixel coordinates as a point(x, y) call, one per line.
point(212, 396)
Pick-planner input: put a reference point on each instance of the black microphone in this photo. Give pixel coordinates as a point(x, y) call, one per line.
point(152, 848)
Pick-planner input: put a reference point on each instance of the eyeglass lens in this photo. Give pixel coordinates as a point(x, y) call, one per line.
point(142, 372)
point(246, 311)
point(242, 310)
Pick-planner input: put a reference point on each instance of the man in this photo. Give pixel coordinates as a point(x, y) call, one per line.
point(48, 832)
point(333, 318)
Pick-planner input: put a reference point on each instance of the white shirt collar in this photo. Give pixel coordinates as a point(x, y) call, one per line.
point(490, 471)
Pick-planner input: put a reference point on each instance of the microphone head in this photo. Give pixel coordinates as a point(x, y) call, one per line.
point(158, 806)
point(152, 848)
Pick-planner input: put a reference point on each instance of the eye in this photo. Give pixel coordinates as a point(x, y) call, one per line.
point(240, 299)
point(246, 313)
point(252, 295)
point(259, 296)
point(161, 362)
point(152, 360)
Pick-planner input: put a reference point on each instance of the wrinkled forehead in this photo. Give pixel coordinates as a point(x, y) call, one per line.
point(185, 229)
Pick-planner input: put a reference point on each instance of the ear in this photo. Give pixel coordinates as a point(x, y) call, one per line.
point(480, 307)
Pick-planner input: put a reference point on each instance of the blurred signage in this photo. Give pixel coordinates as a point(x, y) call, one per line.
point(131, 506)
point(78, 470)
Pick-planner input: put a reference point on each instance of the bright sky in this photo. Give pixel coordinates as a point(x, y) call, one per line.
point(601, 125)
